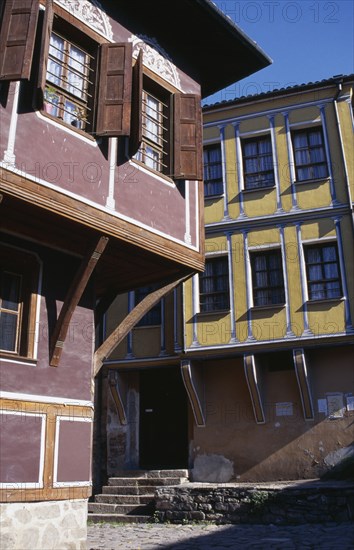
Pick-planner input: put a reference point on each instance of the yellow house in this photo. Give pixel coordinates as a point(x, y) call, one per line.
point(248, 370)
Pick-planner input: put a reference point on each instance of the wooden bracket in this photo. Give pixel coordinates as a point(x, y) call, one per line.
point(72, 298)
point(133, 317)
point(303, 383)
point(194, 387)
point(253, 386)
point(118, 392)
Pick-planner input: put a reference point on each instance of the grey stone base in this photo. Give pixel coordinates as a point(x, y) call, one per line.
point(52, 525)
point(278, 503)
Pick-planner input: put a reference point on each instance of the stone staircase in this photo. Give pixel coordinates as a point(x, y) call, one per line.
point(131, 496)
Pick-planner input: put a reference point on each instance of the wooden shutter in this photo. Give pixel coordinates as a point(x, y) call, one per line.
point(18, 31)
point(115, 87)
point(187, 137)
point(43, 58)
point(136, 133)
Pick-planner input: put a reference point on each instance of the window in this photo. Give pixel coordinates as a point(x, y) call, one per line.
point(213, 183)
point(310, 158)
point(155, 143)
point(323, 275)
point(98, 87)
point(267, 278)
point(153, 316)
point(258, 168)
point(214, 286)
point(69, 82)
point(18, 279)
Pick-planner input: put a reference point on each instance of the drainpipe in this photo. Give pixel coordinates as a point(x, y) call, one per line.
point(339, 84)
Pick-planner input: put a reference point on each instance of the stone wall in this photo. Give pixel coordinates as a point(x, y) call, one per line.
point(54, 525)
point(281, 503)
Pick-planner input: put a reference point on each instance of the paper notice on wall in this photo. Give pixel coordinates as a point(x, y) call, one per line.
point(284, 409)
point(335, 405)
point(350, 402)
point(322, 406)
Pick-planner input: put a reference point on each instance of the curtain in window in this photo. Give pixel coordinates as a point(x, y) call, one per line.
point(212, 171)
point(76, 72)
point(258, 163)
point(323, 273)
point(214, 286)
point(55, 61)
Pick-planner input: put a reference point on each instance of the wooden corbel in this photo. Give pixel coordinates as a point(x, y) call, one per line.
point(303, 383)
point(119, 395)
point(253, 386)
point(195, 391)
point(72, 298)
point(128, 323)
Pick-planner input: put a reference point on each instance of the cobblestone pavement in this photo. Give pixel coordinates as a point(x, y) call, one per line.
point(209, 537)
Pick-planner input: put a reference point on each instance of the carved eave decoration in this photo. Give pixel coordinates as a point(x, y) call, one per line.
point(155, 59)
point(91, 13)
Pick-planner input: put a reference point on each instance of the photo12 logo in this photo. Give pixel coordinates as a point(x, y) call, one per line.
point(271, 12)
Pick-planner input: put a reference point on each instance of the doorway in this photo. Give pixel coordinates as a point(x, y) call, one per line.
point(163, 434)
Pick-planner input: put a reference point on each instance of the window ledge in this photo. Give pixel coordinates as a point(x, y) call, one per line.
point(213, 197)
point(215, 312)
point(268, 306)
point(141, 166)
point(316, 180)
point(326, 300)
point(253, 189)
point(13, 358)
point(67, 127)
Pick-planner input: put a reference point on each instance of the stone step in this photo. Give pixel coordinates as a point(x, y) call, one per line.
point(126, 509)
point(142, 481)
point(127, 490)
point(124, 499)
point(117, 518)
point(183, 473)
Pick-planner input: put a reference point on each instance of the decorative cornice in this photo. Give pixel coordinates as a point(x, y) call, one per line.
point(155, 58)
point(281, 218)
point(91, 13)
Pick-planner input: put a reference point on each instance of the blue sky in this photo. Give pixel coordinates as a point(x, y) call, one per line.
point(308, 40)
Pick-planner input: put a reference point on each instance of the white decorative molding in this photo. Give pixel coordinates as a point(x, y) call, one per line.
point(91, 13)
point(155, 58)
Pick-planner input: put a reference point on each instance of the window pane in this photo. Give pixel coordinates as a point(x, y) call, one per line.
point(214, 286)
point(323, 272)
point(8, 331)
point(10, 292)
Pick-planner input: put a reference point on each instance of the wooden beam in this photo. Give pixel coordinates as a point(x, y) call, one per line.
point(194, 387)
point(72, 298)
point(121, 331)
point(119, 395)
point(303, 383)
point(253, 386)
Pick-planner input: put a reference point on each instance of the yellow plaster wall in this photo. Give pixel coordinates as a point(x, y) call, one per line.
point(115, 315)
point(345, 117)
point(239, 274)
point(147, 341)
point(263, 236)
point(294, 280)
point(188, 313)
point(213, 328)
point(283, 163)
point(231, 172)
point(315, 194)
point(269, 323)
